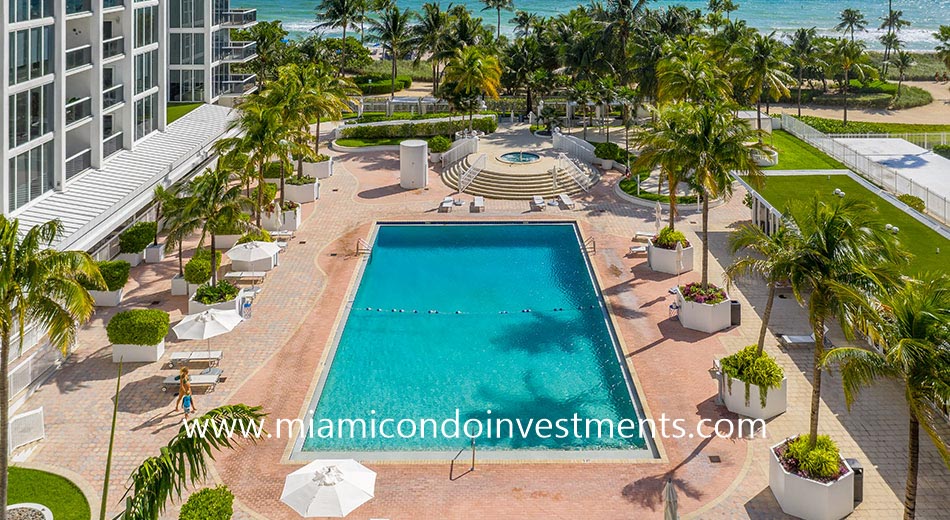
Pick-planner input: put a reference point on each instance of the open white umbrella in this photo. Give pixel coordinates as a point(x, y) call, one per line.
point(207, 324)
point(328, 488)
point(670, 502)
point(253, 251)
point(658, 215)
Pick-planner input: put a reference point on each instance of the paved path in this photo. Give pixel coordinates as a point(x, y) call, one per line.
point(936, 113)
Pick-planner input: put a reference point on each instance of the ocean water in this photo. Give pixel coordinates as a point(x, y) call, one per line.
point(783, 16)
point(480, 352)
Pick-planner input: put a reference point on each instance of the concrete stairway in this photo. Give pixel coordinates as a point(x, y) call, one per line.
point(516, 186)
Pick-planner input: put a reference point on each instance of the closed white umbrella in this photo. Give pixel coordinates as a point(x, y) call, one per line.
point(253, 251)
point(670, 502)
point(328, 488)
point(658, 215)
point(207, 324)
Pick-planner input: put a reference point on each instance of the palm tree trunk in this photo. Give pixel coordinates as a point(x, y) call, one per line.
point(846, 85)
point(282, 175)
point(498, 34)
point(4, 418)
point(913, 456)
point(181, 261)
point(758, 117)
point(799, 92)
point(316, 145)
point(705, 240)
point(392, 85)
point(214, 264)
point(819, 330)
point(765, 319)
point(435, 79)
point(673, 185)
point(342, 55)
point(260, 193)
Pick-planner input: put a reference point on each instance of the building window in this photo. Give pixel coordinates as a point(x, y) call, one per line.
point(184, 14)
point(186, 49)
point(146, 71)
point(23, 10)
point(186, 85)
point(30, 175)
point(31, 114)
point(145, 110)
point(146, 26)
point(30, 51)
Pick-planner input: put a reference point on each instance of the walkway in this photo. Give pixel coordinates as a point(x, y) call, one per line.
point(936, 113)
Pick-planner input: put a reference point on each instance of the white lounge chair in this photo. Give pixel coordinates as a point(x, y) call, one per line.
point(643, 234)
point(281, 234)
point(566, 200)
point(478, 204)
point(791, 339)
point(211, 357)
point(636, 250)
point(209, 381)
point(254, 277)
point(538, 202)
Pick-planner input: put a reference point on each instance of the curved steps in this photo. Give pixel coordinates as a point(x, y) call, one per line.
point(499, 185)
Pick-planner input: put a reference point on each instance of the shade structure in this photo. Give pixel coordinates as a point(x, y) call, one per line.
point(207, 324)
point(253, 251)
point(332, 487)
point(670, 502)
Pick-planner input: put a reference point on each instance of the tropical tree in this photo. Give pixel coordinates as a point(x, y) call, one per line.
point(893, 22)
point(851, 20)
point(525, 22)
point(474, 73)
point(805, 54)
point(312, 91)
point(395, 32)
point(690, 73)
point(850, 59)
point(765, 73)
point(432, 38)
point(658, 143)
point(179, 224)
point(498, 6)
point(846, 258)
point(902, 60)
point(217, 204)
point(184, 461)
point(40, 287)
point(910, 323)
point(943, 48)
point(269, 38)
point(339, 14)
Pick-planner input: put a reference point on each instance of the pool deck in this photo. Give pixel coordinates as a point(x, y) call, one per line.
point(274, 360)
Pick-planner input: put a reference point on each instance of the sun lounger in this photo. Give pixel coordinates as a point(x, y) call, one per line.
point(538, 202)
point(253, 277)
point(643, 234)
point(281, 234)
point(211, 357)
point(791, 339)
point(478, 205)
point(209, 381)
point(446, 205)
point(635, 250)
point(281, 244)
point(566, 200)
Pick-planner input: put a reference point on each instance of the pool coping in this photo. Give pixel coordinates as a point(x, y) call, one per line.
point(653, 452)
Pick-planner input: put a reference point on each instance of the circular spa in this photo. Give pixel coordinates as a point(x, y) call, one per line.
point(519, 157)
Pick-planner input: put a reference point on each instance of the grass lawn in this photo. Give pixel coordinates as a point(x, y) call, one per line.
point(354, 142)
point(176, 110)
point(64, 499)
point(795, 154)
point(918, 239)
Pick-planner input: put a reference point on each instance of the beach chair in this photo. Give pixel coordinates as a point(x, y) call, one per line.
point(636, 250)
point(538, 202)
point(446, 205)
point(253, 277)
point(566, 200)
point(211, 357)
point(478, 205)
point(208, 381)
point(641, 235)
point(790, 340)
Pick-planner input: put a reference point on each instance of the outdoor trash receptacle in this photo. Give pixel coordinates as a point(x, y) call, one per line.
point(858, 479)
point(736, 312)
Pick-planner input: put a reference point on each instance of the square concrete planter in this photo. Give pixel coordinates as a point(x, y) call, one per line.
point(138, 353)
point(225, 242)
point(303, 193)
point(319, 170)
point(180, 287)
point(230, 305)
point(664, 260)
point(809, 499)
point(134, 259)
point(154, 253)
point(107, 298)
point(733, 395)
point(703, 316)
point(291, 220)
point(435, 157)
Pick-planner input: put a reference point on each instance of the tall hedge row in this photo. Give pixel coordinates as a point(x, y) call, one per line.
point(418, 129)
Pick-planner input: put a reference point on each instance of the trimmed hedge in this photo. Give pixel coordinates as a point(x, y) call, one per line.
point(299, 181)
point(272, 170)
point(215, 503)
point(439, 144)
point(913, 201)
point(255, 235)
point(606, 151)
point(137, 237)
point(197, 271)
point(211, 294)
point(942, 150)
point(114, 272)
point(381, 83)
point(486, 124)
point(205, 254)
point(138, 327)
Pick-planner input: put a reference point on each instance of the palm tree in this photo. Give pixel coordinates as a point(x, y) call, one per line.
point(184, 460)
point(765, 72)
point(943, 48)
point(658, 144)
point(805, 54)
point(338, 14)
point(850, 57)
point(217, 204)
point(40, 287)
point(498, 5)
point(902, 60)
point(851, 19)
point(474, 73)
point(179, 225)
point(432, 33)
point(894, 21)
point(771, 257)
point(395, 32)
point(524, 22)
point(690, 73)
point(910, 322)
point(271, 49)
point(846, 258)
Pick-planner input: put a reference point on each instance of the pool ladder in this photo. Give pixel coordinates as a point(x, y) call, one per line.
point(363, 247)
point(452, 475)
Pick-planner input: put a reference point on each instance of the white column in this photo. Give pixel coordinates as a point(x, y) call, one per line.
point(4, 109)
point(125, 69)
point(59, 95)
point(208, 30)
point(95, 90)
point(162, 64)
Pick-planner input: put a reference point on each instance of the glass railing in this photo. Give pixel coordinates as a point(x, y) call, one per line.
point(78, 57)
point(78, 6)
point(113, 96)
point(78, 163)
point(238, 84)
point(113, 47)
point(239, 17)
point(112, 144)
point(238, 51)
point(78, 109)
point(106, 4)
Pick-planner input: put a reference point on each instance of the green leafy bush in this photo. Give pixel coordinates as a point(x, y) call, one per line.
point(439, 144)
point(114, 272)
point(320, 157)
point(667, 239)
point(606, 151)
point(197, 271)
point(911, 97)
point(205, 254)
point(375, 89)
point(822, 463)
point(942, 150)
point(255, 235)
point(235, 228)
point(486, 124)
point(752, 369)
point(299, 181)
point(138, 327)
point(137, 237)
point(913, 201)
point(710, 295)
point(209, 504)
point(272, 170)
point(270, 193)
point(211, 294)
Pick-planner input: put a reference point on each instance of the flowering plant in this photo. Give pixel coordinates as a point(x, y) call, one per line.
point(694, 292)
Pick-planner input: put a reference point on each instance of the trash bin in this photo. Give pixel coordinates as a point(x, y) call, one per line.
point(736, 312)
point(858, 481)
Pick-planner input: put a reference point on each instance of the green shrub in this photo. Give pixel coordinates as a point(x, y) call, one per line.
point(606, 151)
point(942, 150)
point(270, 193)
point(299, 181)
point(138, 327)
point(197, 271)
point(439, 144)
point(375, 89)
point(752, 369)
point(710, 295)
point(667, 239)
point(115, 273)
point(912, 201)
point(320, 158)
point(272, 170)
point(205, 254)
point(911, 97)
point(255, 235)
point(137, 237)
point(211, 294)
point(486, 124)
point(821, 463)
point(209, 504)
point(236, 228)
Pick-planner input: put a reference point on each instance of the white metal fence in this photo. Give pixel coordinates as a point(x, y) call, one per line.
point(460, 149)
point(466, 178)
point(26, 428)
point(574, 147)
point(937, 205)
point(565, 163)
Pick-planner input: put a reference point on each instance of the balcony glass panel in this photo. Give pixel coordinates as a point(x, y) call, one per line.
point(78, 57)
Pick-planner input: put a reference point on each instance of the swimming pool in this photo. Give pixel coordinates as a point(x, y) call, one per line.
point(475, 317)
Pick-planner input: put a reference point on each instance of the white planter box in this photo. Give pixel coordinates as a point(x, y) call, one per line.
point(107, 298)
point(320, 170)
point(134, 259)
point(225, 242)
point(664, 260)
point(303, 193)
point(230, 305)
point(703, 316)
point(154, 253)
point(733, 394)
point(269, 180)
point(808, 499)
point(291, 220)
point(138, 353)
point(271, 221)
point(606, 163)
point(180, 287)
point(765, 157)
point(435, 157)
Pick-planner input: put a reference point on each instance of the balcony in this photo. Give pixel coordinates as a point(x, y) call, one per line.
point(238, 85)
point(78, 6)
point(238, 52)
point(239, 18)
point(113, 96)
point(113, 47)
point(78, 57)
point(78, 163)
point(78, 109)
point(109, 4)
point(112, 144)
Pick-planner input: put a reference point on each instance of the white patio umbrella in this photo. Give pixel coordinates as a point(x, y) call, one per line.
point(332, 487)
point(658, 215)
point(679, 260)
point(670, 502)
point(207, 324)
point(253, 251)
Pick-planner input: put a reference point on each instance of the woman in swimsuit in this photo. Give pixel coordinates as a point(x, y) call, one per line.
point(184, 386)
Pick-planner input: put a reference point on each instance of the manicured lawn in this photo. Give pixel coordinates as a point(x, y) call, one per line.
point(918, 239)
point(795, 154)
point(358, 143)
point(60, 495)
point(176, 110)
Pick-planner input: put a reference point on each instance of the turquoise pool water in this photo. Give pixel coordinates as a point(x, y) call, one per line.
point(398, 358)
